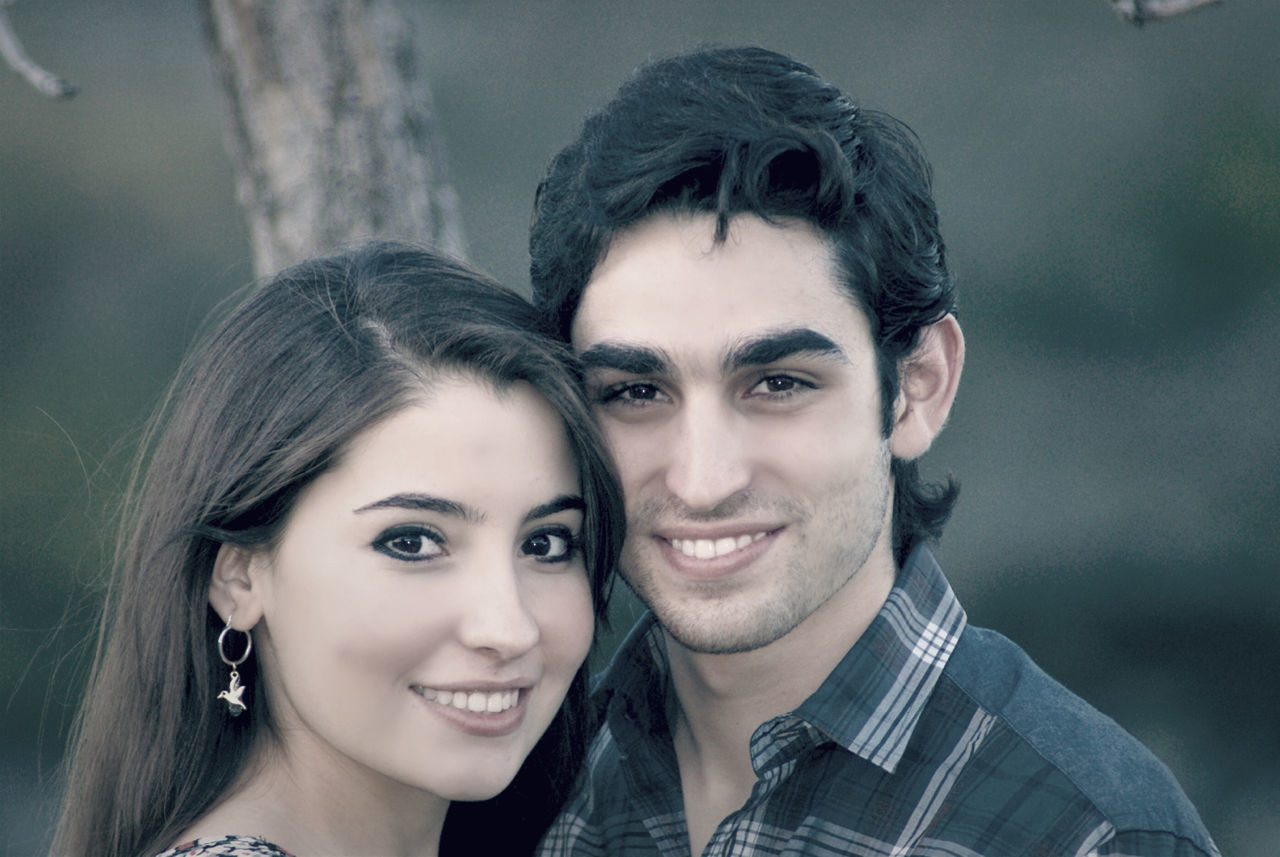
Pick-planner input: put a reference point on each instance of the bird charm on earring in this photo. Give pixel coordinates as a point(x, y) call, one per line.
point(234, 694)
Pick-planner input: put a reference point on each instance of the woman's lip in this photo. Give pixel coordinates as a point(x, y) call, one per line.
point(475, 700)
point(482, 723)
point(481, 685)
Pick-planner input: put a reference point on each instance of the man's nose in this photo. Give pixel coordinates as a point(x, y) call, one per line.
point(709, 461)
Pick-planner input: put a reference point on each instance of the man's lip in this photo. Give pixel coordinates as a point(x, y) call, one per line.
point(716, 562)
point(721, 531)
point(706, 543)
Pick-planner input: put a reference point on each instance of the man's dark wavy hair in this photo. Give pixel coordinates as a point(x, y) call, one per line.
point(729, 131)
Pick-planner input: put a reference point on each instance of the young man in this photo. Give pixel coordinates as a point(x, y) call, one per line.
point(750, 267)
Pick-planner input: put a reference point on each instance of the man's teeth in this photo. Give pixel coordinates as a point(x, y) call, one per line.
point(477, 701)
point(712, 548)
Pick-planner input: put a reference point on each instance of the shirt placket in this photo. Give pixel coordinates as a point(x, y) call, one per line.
point(776, 749)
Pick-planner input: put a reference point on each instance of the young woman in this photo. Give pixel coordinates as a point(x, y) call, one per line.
point(364, 565)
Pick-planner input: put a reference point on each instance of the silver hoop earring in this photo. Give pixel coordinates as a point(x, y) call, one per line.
point(234, 695)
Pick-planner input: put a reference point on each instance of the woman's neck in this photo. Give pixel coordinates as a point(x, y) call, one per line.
point(341, 810)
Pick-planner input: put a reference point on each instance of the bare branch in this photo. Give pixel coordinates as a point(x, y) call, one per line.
point(1140, 11)
point(11, 49)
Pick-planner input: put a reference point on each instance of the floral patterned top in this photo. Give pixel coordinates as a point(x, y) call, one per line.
point(226, 846)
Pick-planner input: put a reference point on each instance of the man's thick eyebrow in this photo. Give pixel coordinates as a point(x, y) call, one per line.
point(632, 359)
point(559, 504)
point(771, 347)
point(425, 503)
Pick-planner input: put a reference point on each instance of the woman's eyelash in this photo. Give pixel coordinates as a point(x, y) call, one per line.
point(416, 543)
point(412, 543)
point(552, 544)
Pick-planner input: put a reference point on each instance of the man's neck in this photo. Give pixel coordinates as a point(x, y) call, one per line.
point(721, 699)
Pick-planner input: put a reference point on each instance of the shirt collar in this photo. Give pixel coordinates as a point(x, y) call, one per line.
point(869, 704)
point(635, 682)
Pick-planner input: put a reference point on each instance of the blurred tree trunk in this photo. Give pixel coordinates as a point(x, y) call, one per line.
point(330, 126)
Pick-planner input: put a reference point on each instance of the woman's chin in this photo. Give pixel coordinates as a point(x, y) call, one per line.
point(478, 790)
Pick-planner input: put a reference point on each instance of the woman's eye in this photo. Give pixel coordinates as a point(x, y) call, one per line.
point(555, 545)
point(410, 543)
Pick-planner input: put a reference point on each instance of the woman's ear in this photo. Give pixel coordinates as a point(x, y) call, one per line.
point(235, 587)
point(927, 387)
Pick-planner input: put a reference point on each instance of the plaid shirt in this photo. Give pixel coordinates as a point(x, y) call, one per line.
point(929, 738)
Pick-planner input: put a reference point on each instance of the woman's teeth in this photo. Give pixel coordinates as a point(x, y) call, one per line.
point(477, 701)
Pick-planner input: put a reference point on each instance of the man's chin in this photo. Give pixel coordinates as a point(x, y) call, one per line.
point(695, 632)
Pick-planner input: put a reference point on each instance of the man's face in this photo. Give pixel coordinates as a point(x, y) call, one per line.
point(736, 385)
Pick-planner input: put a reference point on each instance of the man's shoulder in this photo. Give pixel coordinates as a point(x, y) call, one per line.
point(1116, 773)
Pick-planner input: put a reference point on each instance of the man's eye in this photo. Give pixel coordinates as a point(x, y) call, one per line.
point(780, 386)
point(632, 392)
point(553, 545)
point(410, 543)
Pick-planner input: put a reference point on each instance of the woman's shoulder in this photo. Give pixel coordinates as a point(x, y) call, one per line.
point(226, 846)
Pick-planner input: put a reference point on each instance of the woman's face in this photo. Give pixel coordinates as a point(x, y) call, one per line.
point(427, 605)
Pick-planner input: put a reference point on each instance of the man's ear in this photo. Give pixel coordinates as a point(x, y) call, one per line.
point(926, 388)
point(235, 587)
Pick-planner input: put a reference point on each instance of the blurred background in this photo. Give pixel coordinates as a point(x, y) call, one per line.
point(1111, 199)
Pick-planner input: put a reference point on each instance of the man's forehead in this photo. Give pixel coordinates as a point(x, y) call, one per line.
point(677, 257)
point(666, 291)
point(696, 235)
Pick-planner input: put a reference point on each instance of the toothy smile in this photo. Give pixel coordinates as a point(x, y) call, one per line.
point(476, 700)
point(712, 548)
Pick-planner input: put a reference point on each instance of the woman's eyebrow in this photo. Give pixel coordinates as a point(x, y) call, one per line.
point(425, 503)
point(777, 345)
point(559, 504)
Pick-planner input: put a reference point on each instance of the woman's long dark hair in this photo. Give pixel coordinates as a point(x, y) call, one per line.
point(271, 400)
